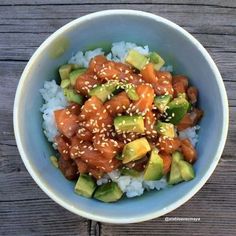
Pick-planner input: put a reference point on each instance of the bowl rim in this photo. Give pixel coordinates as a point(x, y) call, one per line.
point(179, 202)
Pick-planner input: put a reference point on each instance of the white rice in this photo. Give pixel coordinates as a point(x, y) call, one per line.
point(55, 99)
point(191, 134)
point(119, 51)
point(132, 186)
point(83, 59)
point(167, 68)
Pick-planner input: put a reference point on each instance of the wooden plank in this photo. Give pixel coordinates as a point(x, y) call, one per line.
point(50, 25)
point(39, 217)
point(214, 16)
point(212, 3)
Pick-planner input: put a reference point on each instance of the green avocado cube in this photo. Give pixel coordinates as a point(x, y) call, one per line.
point(75, 74)
point(135, 150)
point(85, 186)
point(103, 91)
point(136, 59)
point(161, 102)
point(73, 96)
point(109, 192)
point(154, 168)
point(156, 60)
point(65, 83)
point(130, 172)
point(165, 129)
point(129, 124)
point(186, 170)
point(176, 110)
point(65, 70)
point(175, 174)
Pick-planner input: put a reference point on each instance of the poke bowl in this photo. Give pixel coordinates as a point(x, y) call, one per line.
point(133, 117)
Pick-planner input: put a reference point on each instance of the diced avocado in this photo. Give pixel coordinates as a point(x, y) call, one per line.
point(175, 175)
point(103, 91)
point(65, 83)
point(154, 167)
point(85, 185)
point(165, 129)
point(177, 156)
point(136, 59)
point(75, 74)
point(176, 110)
point(76, 66)
point(156, 60)
point(130, 172)
point(161, 102)
point(135, 150)
point(129, 124)
point(72, 96)
point(65, 70)
point(131, 92)
point(186, 170)
point(109, 192)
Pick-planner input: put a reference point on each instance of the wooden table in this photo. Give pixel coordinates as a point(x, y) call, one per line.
point(24, 208)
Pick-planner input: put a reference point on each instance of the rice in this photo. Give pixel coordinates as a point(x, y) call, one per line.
point(120, 50)
point(132, 186)
point(167, 68)
point(55, 99)
point(83, 59)
point(191, 134)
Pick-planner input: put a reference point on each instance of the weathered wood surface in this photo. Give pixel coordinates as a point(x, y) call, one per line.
point(24, 208)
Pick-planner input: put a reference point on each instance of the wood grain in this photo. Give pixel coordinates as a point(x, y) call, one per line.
point(212, 3)
point(24, 208)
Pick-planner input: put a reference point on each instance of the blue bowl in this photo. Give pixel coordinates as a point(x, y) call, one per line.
point(180, 49)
